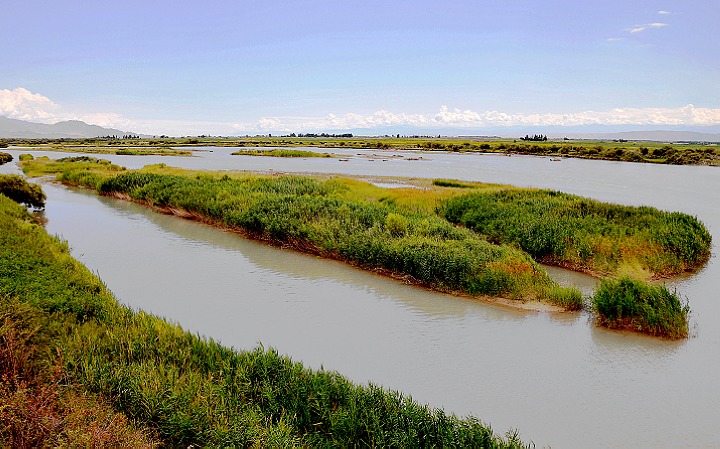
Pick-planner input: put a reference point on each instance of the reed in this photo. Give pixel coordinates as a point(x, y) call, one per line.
point(5, 158)
point(584, 234)
point(184, 389)
point(626, 303)
point(279, 152)
point(19, 190)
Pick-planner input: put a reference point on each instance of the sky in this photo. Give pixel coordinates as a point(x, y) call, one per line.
point(470, 67)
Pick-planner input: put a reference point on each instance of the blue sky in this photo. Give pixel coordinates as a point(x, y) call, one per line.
point(227, 67)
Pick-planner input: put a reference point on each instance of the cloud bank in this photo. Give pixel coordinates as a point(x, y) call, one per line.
point(22, 104)
point(688, 115)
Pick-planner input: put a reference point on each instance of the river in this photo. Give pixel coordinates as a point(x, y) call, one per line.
point(557, 378)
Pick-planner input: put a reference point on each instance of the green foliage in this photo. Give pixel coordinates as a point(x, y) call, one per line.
point(190, 391)
point(19, 190)
point(280, 153)
point(396, 224)
point(26, 157)
point(585, 234)
point(5, 158)
point(631, 304)
point(451, 183)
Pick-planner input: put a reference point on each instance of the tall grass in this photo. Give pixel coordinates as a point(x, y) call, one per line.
point(349, 221)
point(584, 234)
point(186, 389)
point(626, 303)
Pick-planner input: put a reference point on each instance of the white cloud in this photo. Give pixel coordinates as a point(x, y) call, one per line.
point(647, 26)
point(456, 118)
point(22, 104)
point(664, 13)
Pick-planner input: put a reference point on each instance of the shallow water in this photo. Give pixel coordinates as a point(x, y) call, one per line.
point(556, 377)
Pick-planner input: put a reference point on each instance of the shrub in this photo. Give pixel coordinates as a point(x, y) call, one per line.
point(5, 158)
point(626, 303)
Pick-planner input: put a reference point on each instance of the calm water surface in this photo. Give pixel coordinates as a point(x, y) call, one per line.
point(556, 377)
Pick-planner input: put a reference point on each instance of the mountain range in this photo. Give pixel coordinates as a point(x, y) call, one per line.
point(20, 129)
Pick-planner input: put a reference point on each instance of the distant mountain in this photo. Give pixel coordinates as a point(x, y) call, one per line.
point(13, 128)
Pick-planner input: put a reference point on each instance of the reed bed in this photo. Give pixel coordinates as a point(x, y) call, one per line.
point(5, 158)
point(178, 388)
point(584, 234)
point(627, 303)
point(280, 152)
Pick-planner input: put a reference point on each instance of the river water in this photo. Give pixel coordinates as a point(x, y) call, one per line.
point(557, 378)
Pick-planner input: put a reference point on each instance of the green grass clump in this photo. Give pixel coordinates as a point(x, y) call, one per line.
point(78, 342)
point(451, 183)
point(627, 303)
point(279, 152)
point(584, 234)
point(5, 158)
point(19, 190)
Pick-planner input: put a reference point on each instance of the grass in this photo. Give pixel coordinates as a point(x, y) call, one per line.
point(279, 152)
point(584, 234)
point(19, 190)
point(74, 358)
point(626, 303)
point(5, 158)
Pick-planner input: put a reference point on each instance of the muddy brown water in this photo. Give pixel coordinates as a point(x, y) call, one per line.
point(557, 378)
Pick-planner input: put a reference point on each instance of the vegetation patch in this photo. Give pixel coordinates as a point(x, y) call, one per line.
point(280, 152)
point(75, 359)
point(19, 190)
point(626, 303)
point(584, 234)
point(5, 158)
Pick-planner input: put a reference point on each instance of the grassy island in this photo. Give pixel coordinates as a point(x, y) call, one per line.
point(280, 152)
point(626, 303)
point(78, 369)
point(460, 237)
point(5, 158)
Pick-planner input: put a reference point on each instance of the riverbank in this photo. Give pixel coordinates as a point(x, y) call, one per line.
point(177, 388)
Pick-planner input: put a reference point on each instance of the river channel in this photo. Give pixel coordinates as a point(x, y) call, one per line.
point(557, 378)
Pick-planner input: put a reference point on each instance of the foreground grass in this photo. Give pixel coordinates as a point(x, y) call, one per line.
point(626, 303)
point(64, 337)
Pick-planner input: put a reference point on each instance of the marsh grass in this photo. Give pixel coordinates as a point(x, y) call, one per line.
point(5, 158)
point(584, 234)
point(84, 351)
point(280, 152)
point(626, 303)
point(19, 190)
